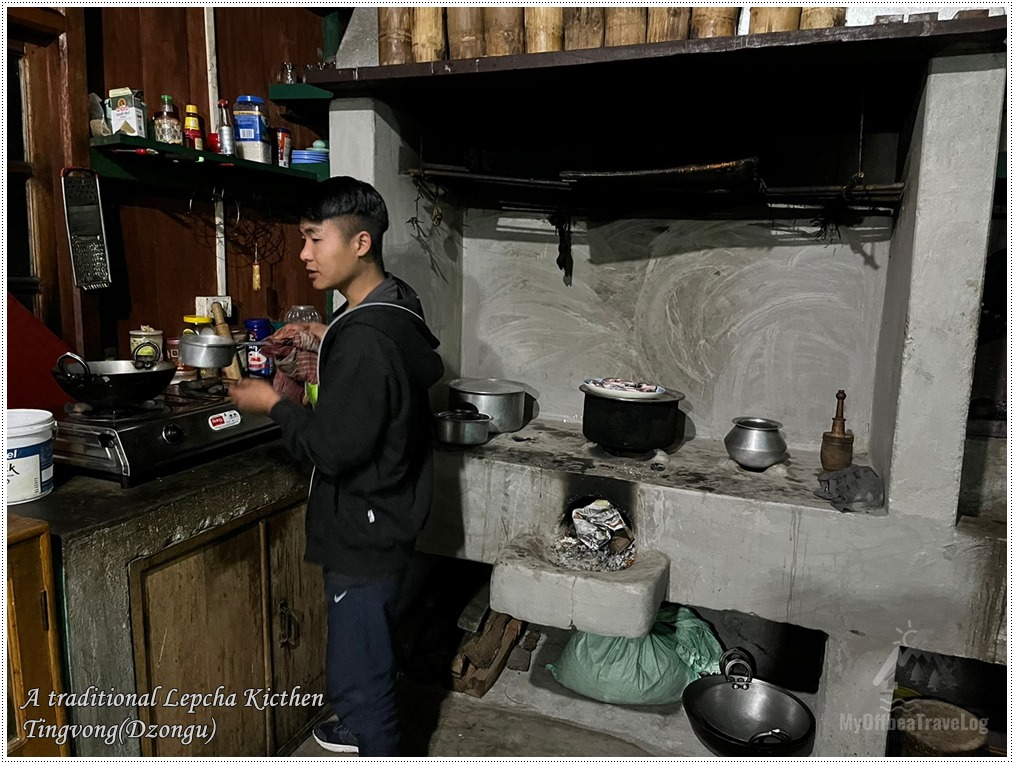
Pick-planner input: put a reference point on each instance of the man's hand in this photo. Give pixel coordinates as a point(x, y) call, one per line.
point(254, 396)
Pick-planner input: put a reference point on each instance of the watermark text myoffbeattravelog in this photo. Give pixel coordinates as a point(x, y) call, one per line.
point(912, 723)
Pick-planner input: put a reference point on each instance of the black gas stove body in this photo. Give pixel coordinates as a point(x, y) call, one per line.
point(186, 425)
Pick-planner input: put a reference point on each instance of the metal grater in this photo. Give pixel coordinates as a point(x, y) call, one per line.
point(86, 230)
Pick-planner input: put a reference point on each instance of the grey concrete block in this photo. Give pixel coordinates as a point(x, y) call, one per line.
point(617, 604)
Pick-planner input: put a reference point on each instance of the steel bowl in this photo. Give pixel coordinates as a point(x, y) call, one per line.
point(463, 427)
point(734, 714)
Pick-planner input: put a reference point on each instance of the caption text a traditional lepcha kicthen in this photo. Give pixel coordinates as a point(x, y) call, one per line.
point(171, 697)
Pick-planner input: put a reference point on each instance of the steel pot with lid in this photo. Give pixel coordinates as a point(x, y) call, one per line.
point(207, 351)
point(734, 714)
point(108, 384)
point(506, 401)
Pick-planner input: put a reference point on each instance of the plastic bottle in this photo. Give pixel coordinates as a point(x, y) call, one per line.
point(193, 128)
point(226, 136)
point(253, 141)
point(168, 128)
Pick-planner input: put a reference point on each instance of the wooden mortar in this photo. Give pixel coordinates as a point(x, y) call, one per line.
point(836, 445)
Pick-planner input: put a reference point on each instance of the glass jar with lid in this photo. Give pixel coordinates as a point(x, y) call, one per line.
point(302, 314)
point(197, 325)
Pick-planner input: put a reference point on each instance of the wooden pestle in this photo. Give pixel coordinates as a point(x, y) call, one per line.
point(232, 371)
point(836, 445)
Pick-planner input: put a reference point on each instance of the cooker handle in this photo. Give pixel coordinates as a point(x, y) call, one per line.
point(737, 658)
point(775, 737)
point(147, 363)
point(68, 356)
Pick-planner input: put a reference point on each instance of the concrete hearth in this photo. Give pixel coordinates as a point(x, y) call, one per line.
point(741, 317)
point(620, 603)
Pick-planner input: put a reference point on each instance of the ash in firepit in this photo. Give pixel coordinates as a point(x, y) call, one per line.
point(597, 538)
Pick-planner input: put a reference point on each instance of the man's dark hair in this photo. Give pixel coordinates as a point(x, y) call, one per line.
point(354, 206)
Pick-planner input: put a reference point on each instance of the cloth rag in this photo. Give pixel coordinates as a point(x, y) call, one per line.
point(853, 489)
point(295, 364)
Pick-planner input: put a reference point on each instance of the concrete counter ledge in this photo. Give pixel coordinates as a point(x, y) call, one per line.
point(695, 465)
point(205, 495)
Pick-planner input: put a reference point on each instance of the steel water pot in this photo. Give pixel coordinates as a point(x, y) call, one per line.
point(755, 442)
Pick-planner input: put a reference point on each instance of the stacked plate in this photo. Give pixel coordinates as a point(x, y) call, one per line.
point(309, 156)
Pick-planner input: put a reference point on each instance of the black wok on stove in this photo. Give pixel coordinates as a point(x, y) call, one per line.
point(113, 384)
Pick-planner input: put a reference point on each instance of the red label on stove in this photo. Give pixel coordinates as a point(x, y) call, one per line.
point(224, 420)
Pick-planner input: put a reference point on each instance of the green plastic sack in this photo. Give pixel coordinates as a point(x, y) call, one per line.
point(649, 670)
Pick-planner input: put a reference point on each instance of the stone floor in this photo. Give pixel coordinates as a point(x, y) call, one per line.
point(528, 713)
point(444, 724)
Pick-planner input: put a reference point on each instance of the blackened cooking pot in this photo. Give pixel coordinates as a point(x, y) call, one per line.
point(634, 426)
point(734, 714)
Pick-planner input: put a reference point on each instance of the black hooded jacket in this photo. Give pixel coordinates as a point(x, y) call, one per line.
point(369, 437)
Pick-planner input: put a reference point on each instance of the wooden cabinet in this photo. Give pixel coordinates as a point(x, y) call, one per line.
point(298, 620)
point(33, 653)
point(236, 618)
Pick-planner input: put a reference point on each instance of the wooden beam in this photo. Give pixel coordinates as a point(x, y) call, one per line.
point(43, 22)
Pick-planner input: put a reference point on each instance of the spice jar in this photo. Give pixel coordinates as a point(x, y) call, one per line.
point(197, 325)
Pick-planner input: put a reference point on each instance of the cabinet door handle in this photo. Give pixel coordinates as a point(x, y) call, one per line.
point(295, 630)
point(289, 626)
point(284, 624)
point(44, 601)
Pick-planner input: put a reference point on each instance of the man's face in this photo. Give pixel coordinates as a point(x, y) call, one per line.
point(332, 260)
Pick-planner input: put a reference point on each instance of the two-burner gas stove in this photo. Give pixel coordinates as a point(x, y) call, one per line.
point(188, 422)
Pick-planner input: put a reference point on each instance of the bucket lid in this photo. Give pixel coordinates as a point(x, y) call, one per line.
point(27, 419)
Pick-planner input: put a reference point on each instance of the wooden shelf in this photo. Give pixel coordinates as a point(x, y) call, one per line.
point(750, 56)
point(505, 132)
point(165, 167)
point(302, 104)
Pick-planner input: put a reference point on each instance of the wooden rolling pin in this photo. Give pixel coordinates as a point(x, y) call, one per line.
point(232, 371)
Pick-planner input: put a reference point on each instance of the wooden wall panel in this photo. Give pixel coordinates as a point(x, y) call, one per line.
point(166, 256)
point(170, 259)
point(252, 44)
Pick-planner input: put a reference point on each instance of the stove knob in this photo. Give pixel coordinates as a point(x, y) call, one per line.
point(173, 434)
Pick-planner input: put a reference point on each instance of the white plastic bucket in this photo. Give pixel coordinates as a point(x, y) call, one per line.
point(30, 434)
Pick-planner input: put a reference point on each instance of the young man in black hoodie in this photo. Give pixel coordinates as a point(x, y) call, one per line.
point(368, 439)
